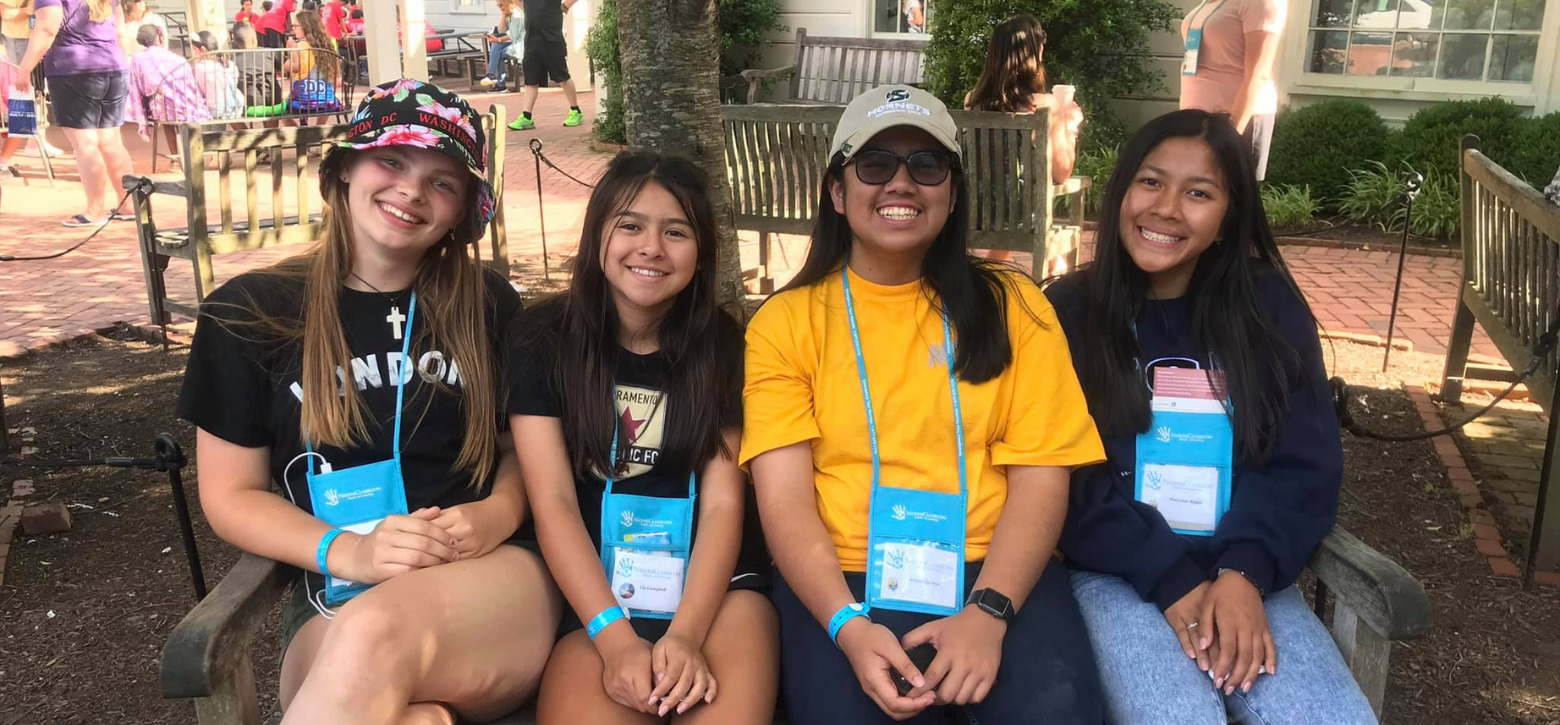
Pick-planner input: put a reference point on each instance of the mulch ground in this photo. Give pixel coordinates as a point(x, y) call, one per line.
point(83, 615)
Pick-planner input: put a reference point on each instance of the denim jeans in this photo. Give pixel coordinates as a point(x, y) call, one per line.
point(1047, 675)
point(495, 66)
point(1149, 680)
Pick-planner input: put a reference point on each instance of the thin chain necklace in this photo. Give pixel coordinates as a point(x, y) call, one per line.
point(371, 286)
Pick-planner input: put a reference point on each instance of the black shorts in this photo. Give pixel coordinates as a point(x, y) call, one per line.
point(545, 59)
point(749, 576)
point(90, 100)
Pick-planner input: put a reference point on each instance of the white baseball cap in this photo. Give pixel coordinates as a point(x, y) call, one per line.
point(885, 107)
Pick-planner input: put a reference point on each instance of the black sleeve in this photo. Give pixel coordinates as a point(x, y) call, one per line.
point(227, 390)
point(504, 312)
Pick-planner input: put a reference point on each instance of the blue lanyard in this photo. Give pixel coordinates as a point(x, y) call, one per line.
point(866, 393)
point(400, 384)
point(612, 462)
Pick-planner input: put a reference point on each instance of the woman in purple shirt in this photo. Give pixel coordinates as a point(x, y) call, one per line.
point(77, 41)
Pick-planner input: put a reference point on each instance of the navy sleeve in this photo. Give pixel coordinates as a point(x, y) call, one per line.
point(1108, 530)
point(1280, 511)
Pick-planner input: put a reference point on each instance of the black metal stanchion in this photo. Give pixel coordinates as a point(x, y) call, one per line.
point(1410, 190)
point(541, 207)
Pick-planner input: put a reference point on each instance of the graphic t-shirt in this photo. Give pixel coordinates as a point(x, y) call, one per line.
point(246, 390)
point(802, 385)
point(643, 416)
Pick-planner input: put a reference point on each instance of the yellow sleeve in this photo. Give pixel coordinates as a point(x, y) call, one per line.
point(777, 395)
point(1048, 419)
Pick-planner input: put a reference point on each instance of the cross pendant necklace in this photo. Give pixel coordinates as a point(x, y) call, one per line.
point(395, 318)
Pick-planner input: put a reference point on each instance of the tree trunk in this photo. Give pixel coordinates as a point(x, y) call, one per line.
point(671, 102)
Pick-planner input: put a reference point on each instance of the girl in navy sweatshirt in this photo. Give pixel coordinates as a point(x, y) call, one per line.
point(1200, 362)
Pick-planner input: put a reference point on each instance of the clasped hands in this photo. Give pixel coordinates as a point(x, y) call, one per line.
point(426, 537)
point(1222, 625)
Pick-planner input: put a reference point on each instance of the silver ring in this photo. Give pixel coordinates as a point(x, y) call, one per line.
point(1191, 626)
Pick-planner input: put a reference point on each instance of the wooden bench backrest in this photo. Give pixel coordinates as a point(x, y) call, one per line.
point(287, 209)
point(776, 156)
point(1511, 264)
point(833, 70)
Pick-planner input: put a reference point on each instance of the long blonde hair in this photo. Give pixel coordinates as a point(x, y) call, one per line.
point(452, 314)
point(100, 10)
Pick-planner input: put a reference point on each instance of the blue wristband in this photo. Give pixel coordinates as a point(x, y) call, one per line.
point(319, 554)
point(600, 621)
point(846, 613)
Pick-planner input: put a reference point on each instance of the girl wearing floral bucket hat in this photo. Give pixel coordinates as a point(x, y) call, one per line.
point(347, 407)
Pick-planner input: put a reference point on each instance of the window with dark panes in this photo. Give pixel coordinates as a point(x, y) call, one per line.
point(901, 16)
point(1464, 40)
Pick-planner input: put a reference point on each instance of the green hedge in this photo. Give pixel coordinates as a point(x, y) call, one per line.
point(1316, 146)
point(1431, 136)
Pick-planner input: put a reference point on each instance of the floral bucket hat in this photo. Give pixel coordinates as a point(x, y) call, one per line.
point(409, 112)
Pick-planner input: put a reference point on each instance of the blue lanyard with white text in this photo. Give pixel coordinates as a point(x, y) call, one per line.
point(938, 570)
point(1194, 34)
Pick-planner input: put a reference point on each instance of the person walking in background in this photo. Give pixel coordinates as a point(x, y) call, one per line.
point(77, 43)
point(334, 14)
point(505, 42)
point(246, 12)
point(546, 56)
point(15, 26)
point(1228, 66)
point(217, 77)
point(163, 89)
point(273, 23)
point(1013, 81)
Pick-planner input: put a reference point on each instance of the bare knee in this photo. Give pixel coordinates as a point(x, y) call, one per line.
point(367, 636)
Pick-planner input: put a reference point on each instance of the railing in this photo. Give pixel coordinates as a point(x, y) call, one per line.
point(1511, 287)
point(259, 83)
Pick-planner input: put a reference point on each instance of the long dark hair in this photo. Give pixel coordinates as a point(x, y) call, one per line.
point(1014, 72)
point(1226, 313)
point(972, 291)
point(581, 324)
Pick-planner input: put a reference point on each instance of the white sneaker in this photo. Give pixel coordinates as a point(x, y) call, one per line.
point(50, 149)
point(487, 82)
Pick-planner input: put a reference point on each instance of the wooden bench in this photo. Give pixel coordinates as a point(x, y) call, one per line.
point(290, 217)
point(207, 655)
point(776, 156)
point(832, 70)
point(1511, 287)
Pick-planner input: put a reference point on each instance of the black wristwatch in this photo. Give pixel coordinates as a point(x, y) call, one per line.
point(993, 602)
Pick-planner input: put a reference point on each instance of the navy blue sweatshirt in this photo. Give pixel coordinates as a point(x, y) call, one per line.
point(1278, 512)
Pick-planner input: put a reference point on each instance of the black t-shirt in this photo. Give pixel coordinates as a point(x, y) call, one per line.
point(244, 388)
point(644, 417)
point(544, 20)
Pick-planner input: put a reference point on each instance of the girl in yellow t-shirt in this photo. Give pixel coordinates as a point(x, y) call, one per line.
point(911, 419)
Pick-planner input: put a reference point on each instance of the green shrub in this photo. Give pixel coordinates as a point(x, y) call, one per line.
point(1431, 137)
point(1537, 152)
point(1316, 145)
point(601, 45)
point(743, 27)
point(1085, 47)
point(1096, 164)
point(1289, 207)
point(1436, 208)
point(1371, 194)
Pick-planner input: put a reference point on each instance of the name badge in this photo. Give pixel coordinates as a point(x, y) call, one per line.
point(916, 557)
point(356, 499)
point(1184, 460)
point(647, 581)
point(1193, 46)
point(920, 574)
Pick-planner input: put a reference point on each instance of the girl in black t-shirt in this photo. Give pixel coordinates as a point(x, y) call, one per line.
point(625, 402)
point(370, 369)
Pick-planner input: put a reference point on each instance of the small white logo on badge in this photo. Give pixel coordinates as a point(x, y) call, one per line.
point(899, 512)
point(1163, 434)
point(628, 518)
point(331, 499)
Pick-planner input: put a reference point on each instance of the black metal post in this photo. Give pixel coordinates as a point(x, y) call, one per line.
point(1410, 190)
point(541, 207)
point(170, 458)
point(1546, 478)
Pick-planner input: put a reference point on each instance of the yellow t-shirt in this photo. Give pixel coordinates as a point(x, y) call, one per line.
point(802, 385)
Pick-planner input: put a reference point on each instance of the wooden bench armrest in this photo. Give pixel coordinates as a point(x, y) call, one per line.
point(1383, 595)
point(180, 189)
point(1072, 185)
point(207, 654)
point(755, 78)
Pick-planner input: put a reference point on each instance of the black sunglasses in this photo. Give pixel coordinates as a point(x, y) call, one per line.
point(878, 167)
